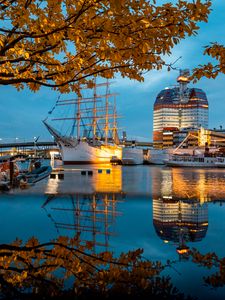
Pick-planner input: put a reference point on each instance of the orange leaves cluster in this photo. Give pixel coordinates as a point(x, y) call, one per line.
point(62, 44)
point(211, 261)
point(211, 70)
point(46, 268)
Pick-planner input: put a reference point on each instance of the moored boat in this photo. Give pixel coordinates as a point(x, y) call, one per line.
point(220, 163)
point(193, 161)
point(9, 170)
point(132, 156)
point(36, 172)
point(158, 156)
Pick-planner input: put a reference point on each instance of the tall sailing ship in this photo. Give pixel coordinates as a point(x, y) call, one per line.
point(93, 136)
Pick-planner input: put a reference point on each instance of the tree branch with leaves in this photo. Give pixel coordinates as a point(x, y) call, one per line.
point(62, 44)
point(44, 270)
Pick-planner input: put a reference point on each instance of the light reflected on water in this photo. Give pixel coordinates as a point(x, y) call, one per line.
point(165, 211)
point(85, 180)
point(185, 183)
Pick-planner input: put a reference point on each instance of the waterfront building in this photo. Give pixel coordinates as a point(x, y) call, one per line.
point(177, 111)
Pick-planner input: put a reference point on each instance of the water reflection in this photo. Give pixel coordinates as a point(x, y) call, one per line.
point(180, 204)
point(89, 216)
point(179, 198)
point(86, 180)
point(180, 221)
point(119, 208)
point(185, 183)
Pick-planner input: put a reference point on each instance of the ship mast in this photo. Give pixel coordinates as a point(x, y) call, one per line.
point(100, 117)
point(78, 117)
point(107, 113)
point(94, 113)
point(114, 122)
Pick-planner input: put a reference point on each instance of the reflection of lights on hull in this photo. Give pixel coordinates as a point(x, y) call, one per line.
point(84, 153)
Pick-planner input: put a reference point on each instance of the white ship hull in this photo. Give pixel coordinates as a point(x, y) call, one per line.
point(209, 163)
point(84, 153)
point(159, 156)
point(132, 156)
point(195, 161)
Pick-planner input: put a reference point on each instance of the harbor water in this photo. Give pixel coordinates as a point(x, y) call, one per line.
point(160, 209)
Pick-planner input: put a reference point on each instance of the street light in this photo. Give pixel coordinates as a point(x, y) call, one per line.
point(35, 145)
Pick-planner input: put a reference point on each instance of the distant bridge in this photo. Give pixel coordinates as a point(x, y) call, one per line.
point(52, 145)
point(27, 144)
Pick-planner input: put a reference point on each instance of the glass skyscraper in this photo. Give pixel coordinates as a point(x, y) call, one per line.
point(179, 108)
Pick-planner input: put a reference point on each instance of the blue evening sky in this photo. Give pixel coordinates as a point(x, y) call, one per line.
point(22, 112)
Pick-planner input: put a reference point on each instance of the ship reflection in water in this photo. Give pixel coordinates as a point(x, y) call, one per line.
point(84, 200)
point(89, 216)
point(101, 178)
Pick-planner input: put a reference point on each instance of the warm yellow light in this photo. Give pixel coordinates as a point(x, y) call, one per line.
point(182, 250)
point(202, 138)
point(183, 78)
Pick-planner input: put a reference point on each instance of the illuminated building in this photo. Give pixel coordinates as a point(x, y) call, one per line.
point(177, 111)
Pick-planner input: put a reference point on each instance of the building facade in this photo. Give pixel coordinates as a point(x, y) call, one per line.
point(179, 109)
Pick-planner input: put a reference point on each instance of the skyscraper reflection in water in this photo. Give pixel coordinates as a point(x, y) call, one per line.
point(179, 216)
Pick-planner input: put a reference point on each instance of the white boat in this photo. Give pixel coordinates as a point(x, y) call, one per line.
point(201, 160)
point(132, 156)
point(220, 163)
point(95, 126)
point(158, 156)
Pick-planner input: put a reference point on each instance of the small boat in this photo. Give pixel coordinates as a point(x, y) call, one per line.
point(12, 176)
point(36, 174)
point(9, 170)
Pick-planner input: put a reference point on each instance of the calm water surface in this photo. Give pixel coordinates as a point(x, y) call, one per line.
point(163, 210)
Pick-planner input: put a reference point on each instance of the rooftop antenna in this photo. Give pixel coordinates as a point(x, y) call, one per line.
point(171, 64)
